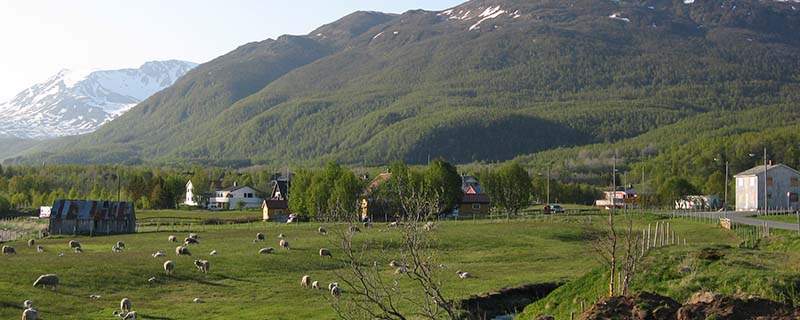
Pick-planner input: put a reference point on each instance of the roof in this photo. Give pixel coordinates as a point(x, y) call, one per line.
point(475, 198)
point(759, 169)
point(94, 210)
point(234, 188)
point(376, 183)
point(276, 204)
point(282, 186)
point(468, 182)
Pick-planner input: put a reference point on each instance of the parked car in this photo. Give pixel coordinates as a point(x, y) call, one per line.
point(552, 208)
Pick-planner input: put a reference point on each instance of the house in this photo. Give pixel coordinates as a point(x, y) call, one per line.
point(190, 199)
point(474, 201)
point(620, 199)
point(92, 217)
point(276, 206)
point(374, 207)
point(698, 202)
point(234, 197)
point(782, 187)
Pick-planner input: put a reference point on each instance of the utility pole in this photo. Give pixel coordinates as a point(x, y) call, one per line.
point(725, 203)
point(766, 205)
point(548, 184)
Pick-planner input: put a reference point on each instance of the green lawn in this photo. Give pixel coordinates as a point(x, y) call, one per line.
point(780, 218)
point(253, 286)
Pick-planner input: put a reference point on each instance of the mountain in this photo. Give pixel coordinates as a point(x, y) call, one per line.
point(75, 102)
point(487, 80)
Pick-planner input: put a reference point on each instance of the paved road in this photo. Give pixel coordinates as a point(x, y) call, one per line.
point(741, 218)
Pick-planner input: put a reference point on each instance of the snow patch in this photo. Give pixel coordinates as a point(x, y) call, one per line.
point(489, 13)
point(688, 1)
point(377, 35)
point(618, 16)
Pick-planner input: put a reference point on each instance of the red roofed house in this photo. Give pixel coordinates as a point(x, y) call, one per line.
point(474, 201)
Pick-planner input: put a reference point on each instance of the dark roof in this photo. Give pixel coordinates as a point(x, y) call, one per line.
point(475, 198)
point(470, 181)
point(94, 210)
point(276, 204)
point(759, 169)
point(376, 183)
point(282, 186)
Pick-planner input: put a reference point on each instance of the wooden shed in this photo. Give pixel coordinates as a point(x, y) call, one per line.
point(92, 217)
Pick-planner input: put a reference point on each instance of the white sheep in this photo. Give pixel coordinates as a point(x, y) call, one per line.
point(332, 284)
point(159, 254)
point(168, 266)
point(47, 280)
point(463, 274)
point(336, 292)
point(30, 314)
point(39, 249)
point(31, 242)
point(131, 316)
point(260, 236)
point(281, 235)
point(393, 225)
point(74, 244)
point(121, 244)
point(125, 305)
point(27, 304)
point(284, 244)
point(315, 285)
point(305, 281)
point(116, 249)
point(197, 300)
point(322, 231)
point(152, 280)
point(266, 250)
point(394, 264)
point(172, 239)
point(213, 253)
point(94, 296)
point(9, 250)
point(188, 240)
point(180, 250)
point(324, 252)
point(194, 236)
point(203, 265)
point(428, 226)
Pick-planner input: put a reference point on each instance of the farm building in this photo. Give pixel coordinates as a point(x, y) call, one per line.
point(92, 217)
point(474, 202)
point(373, 207)
point(276, 207)
point(782, 187)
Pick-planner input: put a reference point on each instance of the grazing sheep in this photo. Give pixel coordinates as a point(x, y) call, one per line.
point(179, 250)
point(116, 249)
point(189, 241)
point(394, 264)
point(131, 316)
point(260, 236)
point(213, 253)
point(266, 250)
point(332, 284)
point(324, 252)
point(30, 314)
point(61, 254)
point(428, 226)
point(9, 250)
point(336, 292)
point(125, 305)
point(78, 250)
point(152, 280)
point(355, 229)
point(74, 244)
point(39, 249)
point(197, 300)
point(203, 265)
point(27, 304)
point(94, 297)
point(168, 266)
point(322, 231)
point(172, 239)
point(393, 225)
point(281, 235)
point(194, 236)
point(315, 285)
point(159, 254)
point(31, 242)
point(305, 281)
point(46, 280)
point(284, 244)
point(463, 274)
point(121, 244)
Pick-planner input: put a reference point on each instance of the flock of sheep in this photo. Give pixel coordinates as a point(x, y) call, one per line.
point(51, 280)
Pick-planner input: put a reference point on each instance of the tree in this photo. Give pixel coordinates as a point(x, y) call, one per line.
point(510, 188)
point(715, 185)
point(674, 189)
point(443, 179)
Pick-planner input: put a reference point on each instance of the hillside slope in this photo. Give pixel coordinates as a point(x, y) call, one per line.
point(486, 80)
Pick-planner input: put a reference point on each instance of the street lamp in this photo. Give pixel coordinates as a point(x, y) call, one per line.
point(725, 202)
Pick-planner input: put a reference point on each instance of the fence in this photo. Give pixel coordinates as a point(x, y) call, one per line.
point(21, 227)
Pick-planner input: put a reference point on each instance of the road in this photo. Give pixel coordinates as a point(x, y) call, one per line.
point(741, 217)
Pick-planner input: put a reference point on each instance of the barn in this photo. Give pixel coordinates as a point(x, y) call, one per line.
point(92, 217)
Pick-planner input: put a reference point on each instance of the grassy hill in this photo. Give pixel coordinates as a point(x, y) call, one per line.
point(374, 87)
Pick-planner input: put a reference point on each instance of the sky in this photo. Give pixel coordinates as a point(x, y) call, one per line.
point(41, 37)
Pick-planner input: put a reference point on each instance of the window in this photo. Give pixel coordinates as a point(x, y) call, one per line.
point(476, 206)
point(795, 182)
point(248, 195)
point(793, 197)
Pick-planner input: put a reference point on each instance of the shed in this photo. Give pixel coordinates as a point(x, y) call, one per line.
point(92, 217)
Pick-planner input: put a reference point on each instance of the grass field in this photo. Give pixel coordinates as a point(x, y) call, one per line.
point(791, 218)
point(252, 286)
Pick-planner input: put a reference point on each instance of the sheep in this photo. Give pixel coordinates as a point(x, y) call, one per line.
point(401, 270)
point(315, 285)
point(393, 225)
point(324, 252)
point(133, 315)
point(212, 253)
point(355, 229)
point(30, 314)
point(9, 250)
point(203, 265)
point(125, 305)
point(121, 244)
point(116, 249)
point(180, 250)
point(47, 280)
point(159, 254)
point(78, 250)
point(39, 249)
point(463, 274)
point(260, 236)
point(322, 231)
point(284, 244)
point(74, 244)
point(94, 297)
point(305, 281)
point(168, 266)
point(31, 242)
point(152, 280)
point(188, 240)
point(194, 236)
point(332, 284)
point(172, 239)
point(27, 304)
point(428, 226)
point(197, 300)
point(281, 235)
point(336, 292)
point(266, 250)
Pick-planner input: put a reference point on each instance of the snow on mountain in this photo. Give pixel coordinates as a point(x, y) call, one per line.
point(79, 101)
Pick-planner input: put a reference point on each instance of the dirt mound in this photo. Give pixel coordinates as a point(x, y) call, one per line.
point(702, 305)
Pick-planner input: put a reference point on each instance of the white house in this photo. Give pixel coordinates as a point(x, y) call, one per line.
point(189, 201)
point(698, 202)
point(234, 197)
point(782, 185)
